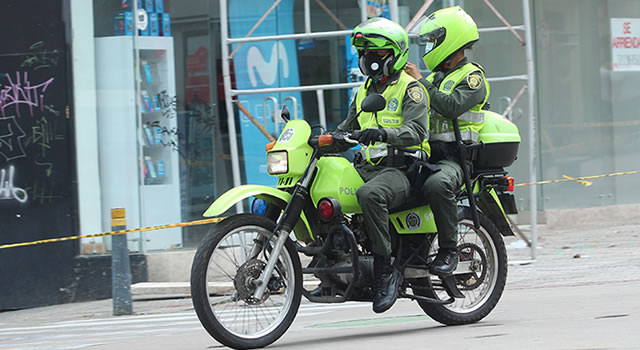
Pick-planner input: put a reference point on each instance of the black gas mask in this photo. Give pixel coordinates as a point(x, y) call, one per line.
point(374, 65)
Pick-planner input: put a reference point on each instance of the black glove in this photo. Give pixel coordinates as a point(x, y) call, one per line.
point(369, 136)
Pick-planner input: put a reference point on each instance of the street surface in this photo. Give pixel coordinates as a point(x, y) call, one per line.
point(580, 293)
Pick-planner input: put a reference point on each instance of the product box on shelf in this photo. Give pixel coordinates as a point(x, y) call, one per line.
point(159, 5)
point(123, 23)
point(147, 71)
point(149, 5)
point(166, 24)
point(157, 133)
point(146, 31)
point(149, 138)
point(156, 103)
point(150, 167)
point(148, 106)
point(125, 3)
point(154, 24)
point(161, 168)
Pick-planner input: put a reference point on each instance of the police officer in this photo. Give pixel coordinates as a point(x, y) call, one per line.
point(457, 89)
point(382, 47)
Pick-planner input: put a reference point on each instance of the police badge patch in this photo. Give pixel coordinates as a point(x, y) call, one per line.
point(416, 93)
point(474, 80)
point(392, 105)
point(448, 85)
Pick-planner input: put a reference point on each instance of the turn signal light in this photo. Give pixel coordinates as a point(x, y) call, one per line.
point(325, 140)
point(269, 146)
point(511, 185)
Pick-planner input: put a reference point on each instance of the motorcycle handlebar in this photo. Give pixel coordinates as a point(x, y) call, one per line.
point(328, 139)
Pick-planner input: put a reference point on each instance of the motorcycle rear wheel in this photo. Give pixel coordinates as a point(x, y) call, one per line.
point(227, 261)
point(485, 249)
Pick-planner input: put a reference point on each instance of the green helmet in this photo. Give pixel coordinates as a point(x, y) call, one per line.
point(445, 32)
point(380, 33)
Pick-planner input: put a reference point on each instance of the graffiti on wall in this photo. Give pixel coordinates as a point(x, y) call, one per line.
point(33, 132)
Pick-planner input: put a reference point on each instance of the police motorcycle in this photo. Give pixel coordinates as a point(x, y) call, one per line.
point(247, 277)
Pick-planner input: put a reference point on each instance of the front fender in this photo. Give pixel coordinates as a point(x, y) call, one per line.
point(269, 194)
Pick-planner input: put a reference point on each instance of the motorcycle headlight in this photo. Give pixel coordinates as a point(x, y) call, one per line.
point(277, 163)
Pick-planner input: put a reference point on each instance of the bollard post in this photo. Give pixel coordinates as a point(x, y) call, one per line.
point(120, 267)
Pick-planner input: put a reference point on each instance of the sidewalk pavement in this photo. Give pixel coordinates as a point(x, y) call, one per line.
point(582, 254)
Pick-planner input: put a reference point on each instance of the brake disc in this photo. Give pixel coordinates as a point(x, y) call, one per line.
point(245, 281)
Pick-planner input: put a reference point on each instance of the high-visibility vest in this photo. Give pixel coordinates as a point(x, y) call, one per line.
point(441, 128)
point(390, 117)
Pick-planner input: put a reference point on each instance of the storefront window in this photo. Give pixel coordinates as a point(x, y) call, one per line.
point(164, 134)
point(588, 118)
point(162, 121)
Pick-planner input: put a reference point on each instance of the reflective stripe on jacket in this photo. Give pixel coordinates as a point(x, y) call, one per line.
point(389, 117)
point(441, 128)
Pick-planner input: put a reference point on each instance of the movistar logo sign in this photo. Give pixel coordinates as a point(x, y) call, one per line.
point(267, 70)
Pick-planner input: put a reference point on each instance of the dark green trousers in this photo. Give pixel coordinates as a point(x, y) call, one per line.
point(440, 190)
point(384, 188)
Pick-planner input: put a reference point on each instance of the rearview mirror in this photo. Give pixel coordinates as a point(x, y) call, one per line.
point(285, 114)
point(373, 103)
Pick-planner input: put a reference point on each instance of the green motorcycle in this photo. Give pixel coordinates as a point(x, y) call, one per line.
point(246, 278)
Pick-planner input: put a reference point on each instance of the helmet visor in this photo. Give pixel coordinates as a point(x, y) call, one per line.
point(370, 41)
point(430, 34)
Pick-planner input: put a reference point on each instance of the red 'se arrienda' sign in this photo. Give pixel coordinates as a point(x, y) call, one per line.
point(625, 44)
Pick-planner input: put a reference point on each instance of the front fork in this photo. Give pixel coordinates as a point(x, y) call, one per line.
point(285, 225)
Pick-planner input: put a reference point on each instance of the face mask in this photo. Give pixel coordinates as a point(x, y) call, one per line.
point(372, 65)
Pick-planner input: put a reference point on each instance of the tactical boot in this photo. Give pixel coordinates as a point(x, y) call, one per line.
point(445, 262)
point(387, 282)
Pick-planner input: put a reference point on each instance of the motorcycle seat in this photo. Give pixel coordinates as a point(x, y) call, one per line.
point(413, 202)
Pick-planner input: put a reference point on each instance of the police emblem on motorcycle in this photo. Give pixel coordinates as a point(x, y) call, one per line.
point(393, 105)
point(413, 221)
point(286, 135)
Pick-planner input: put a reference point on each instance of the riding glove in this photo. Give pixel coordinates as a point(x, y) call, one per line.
point(369, 136)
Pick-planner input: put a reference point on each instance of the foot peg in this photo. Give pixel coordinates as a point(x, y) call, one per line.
point(449, 284)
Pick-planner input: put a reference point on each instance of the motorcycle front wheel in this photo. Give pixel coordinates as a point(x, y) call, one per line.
point(227, 263)
point(482, 250)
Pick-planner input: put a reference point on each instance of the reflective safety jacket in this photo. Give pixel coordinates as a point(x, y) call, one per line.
point(441, 128)
point(389, 117)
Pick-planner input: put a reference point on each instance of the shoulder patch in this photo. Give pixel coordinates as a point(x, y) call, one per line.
point(416, 93)
point(448, 85)
point(392, 106)
point(474, 80)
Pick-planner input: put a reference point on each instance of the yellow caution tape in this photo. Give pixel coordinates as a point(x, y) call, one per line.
point(214, 220)
point(585, 183)
point(113, 233)
point(580, 179)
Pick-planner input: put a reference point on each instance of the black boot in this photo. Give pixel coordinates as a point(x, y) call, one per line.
point(387, 282)
point(445, 262)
